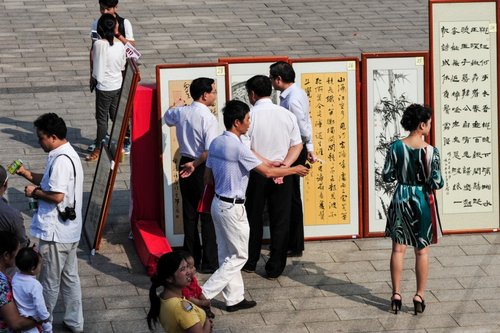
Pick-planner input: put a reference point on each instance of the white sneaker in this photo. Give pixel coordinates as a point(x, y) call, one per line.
point(126, 149)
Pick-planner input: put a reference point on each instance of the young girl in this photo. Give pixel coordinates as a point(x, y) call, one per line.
point(193, 292)
point(28, 292)
point(416, 167)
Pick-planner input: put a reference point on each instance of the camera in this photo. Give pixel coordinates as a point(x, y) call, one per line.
point(68, 214)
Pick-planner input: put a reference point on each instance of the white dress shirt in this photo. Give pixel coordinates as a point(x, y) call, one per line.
point(60, 177)
point(273, 130)
point(295, 100)
point(195, 126)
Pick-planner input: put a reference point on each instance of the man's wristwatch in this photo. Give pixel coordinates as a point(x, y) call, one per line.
point(33, 194)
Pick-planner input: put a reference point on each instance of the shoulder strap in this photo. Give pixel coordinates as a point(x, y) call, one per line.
point(74, 172)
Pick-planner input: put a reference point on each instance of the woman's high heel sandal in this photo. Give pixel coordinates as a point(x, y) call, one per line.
point(396, 303)
point(419, 306)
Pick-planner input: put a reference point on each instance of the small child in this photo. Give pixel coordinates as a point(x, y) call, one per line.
point(28, 292)
point(193, 292)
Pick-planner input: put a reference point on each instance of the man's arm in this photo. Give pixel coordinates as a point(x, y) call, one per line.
point(35, 178)
point(301, 112)
point(269, 163)
point(268, 172)
point(124, 40)
point(292, 154)
point(189, 167)
point(36, 192)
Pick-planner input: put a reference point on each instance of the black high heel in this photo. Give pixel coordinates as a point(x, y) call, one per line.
point(396, 303)
point(419, 306)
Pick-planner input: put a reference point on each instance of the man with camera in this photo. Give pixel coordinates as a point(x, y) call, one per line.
point(58, 220)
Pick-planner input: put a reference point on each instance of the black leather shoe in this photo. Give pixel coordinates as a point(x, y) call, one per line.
point(248, 269)
point(244, 304)
point(294, 254)
point(272, 276)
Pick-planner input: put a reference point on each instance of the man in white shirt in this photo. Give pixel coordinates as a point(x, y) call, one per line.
point(57, 223)
point(274, 136)
point(228, 167)
point(196, 127)
point(296, 101)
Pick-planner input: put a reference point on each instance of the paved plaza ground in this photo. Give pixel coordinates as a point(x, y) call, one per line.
point(337, 286)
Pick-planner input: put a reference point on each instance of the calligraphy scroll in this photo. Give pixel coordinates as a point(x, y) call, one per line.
point(326, 189)
point(330, 191)
point(173, 85)
point(465, 102)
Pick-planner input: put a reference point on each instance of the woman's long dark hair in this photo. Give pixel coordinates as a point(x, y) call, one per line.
point(167, 266)
point(106, 27)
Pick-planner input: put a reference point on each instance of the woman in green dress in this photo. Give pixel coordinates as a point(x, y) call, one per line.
point(416, 167)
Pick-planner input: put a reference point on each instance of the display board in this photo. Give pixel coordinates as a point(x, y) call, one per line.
point(331, 190)
point(464, 55)
point(390, 83)
point(98, 200)
point(239, 70)
point(107, 166)
point(124, 103)
point(173, 83)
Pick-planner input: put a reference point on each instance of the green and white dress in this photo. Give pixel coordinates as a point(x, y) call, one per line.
point(417, 172)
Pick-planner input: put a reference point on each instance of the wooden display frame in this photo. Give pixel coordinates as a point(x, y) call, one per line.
point(109, 160)
point(456, 29)
point(406, 74)
point(168, 76)
point(321, 229)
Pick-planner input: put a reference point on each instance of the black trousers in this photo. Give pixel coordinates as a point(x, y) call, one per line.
point(191, 192)
point(296, 239)
point(106, 104)
point(278, 199)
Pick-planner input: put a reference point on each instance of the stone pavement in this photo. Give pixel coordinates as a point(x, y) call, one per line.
point(338, 286)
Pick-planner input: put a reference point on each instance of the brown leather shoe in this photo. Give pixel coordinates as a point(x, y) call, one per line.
point(93, 156)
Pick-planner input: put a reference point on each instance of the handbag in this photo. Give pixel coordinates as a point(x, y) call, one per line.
point(206, 199)
point(437, 231)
